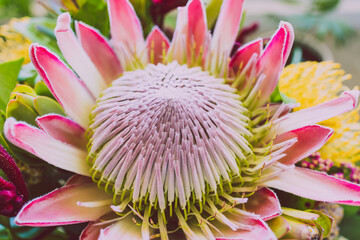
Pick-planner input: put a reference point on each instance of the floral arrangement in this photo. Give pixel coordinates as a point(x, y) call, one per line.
point(142, 137)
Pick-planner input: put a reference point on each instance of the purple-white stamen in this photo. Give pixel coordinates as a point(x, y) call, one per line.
point(168, 130)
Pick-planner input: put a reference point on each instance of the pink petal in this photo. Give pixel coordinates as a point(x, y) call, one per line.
point(346, 102)
point(177, 49)
point(157, 45)
point(45, 147)
point(289, 40)
point(244, 53)
point(264, 203)
point(226, 30)
point(125, 25)
point(260, 230)
point(63, 83)
point(317, 186)
point(272, 61)
point(99, 51)
point(60, 207)
point(78, 180)
point(76, 56)
point(124, 229)
point(63, 129)
point(309, 139)
point(92, 230)
point(197, 26)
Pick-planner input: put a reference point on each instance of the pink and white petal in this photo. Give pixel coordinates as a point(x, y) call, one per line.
point(309, 139)
point(225, 32)
point(345, 103)
point(60, 207)
point(123, 229)
point(92, 231)
point(157, 45)
point(78, 180)
point(197, 23)
point(63, 129)
point(75, 55)
point(125, 25)
point(49, 149)
point(100, 52)
point(64, 84)
point(244, 54)
point(289, 40)
point(317, 186)
point(259, 230)
point(271, 62)
point(177, 49)
point(265, 203)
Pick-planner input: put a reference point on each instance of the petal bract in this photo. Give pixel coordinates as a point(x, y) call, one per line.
point(265, 203)
point(99, 51)
point(64, 84)
point(76, 56)
point(157, 45)
point(317, 186)
point(63, 129)
point(346, 102)
point(60, 207)
point(309, 140)
point(45, 147)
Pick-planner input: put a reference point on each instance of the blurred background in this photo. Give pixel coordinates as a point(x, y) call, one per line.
point(327, 29)
point(330, 26)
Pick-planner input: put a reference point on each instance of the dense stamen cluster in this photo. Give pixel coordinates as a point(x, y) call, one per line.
point(167, 130)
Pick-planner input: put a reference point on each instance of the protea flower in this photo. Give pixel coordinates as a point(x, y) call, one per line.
point(173, 138)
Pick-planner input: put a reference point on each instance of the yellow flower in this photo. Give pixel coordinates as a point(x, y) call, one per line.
point(311, 83)
point(13, 45)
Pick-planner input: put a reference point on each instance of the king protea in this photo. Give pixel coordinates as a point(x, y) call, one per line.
point(173, 139)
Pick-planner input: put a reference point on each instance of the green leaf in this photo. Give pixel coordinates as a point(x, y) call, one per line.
point(8, 79)
point(323, 222)
point(351, 219)
point(212, 11)
point(27, 75)
point(279, 97)
point(94, 13)
point(39, 30)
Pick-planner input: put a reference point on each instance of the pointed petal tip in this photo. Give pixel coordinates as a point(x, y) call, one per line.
point(63, 22)
point(354, 94)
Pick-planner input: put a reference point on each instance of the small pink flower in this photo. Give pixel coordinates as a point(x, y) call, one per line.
point(13, 193)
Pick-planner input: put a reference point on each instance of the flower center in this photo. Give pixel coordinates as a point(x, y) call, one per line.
point(168, 133)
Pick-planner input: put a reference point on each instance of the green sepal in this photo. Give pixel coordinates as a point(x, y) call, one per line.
point(21, 112)
point(27, 100)
point(323, 223)
point(279, 226)
point(42, 90)
point(24, 89)
point(46, 105)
